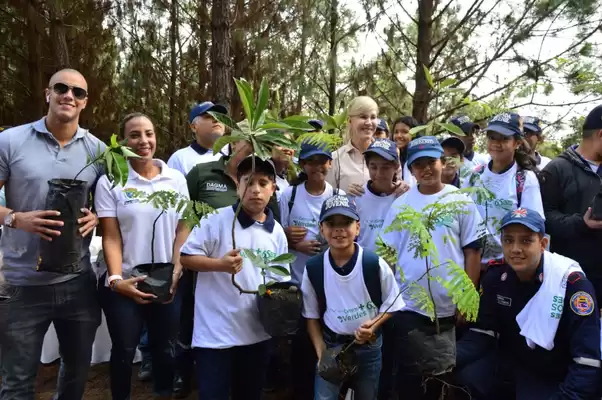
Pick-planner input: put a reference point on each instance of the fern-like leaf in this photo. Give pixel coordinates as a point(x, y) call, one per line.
point(421, 298)
point(329, 141)
point(461, 290)
point(389, 254)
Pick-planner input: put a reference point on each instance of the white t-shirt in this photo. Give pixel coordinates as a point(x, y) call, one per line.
point(477, 159)
point(406, 175)
point(372, 209)
point(305, 213)
point(185, 159)
point(503, 187)
point(136, 217)
point(281, 184)
point(223, 317)
point(543, 161)
point(463, 229)
point(348, 302)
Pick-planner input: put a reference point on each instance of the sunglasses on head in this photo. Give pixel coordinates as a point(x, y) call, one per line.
point(78, 93)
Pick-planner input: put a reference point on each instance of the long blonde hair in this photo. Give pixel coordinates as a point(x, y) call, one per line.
point(358, 106)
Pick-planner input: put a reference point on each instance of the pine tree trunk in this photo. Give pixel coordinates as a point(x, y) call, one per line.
point(220, 51)
point(332, 64)
point(423, 56)
point(58, 35)
point(203, 74)
point(302, 58)
point(173, 38)
point(34, 55)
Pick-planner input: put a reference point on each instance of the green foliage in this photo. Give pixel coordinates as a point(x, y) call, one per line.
point(114, 158)
point(420, 226)
point(269, 263)
point(389, 254)
point(192, 211)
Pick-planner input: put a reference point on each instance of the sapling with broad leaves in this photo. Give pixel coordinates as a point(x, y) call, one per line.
point(68, 196)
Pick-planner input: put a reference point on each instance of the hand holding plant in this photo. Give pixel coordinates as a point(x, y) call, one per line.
point(36, 222)
point(88, 222)
point(232, 262)
point(127, 287)
point(365, 332)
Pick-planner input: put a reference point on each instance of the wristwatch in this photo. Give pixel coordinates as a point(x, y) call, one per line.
point(9, 220)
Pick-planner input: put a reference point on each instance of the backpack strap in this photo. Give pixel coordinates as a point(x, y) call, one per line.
point(291, 201)
point(315, 274)
point(371, 271)
point(520, 186)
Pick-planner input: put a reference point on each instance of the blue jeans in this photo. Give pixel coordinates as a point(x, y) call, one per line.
point(143, 345)
point(25, 316)
point(124, 320)
point(240, 371)
point(365, 382)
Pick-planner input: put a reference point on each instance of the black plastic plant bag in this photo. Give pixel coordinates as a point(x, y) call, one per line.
point(63, 253)
point(596, 205)
point(280, 309)
point(338, 364)
point(435, 352)
point(159, 277)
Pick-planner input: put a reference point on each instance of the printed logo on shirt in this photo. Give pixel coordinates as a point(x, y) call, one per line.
point(557, 306)
point(305, 222)
point(353, 314)
point(582, 303)
point(216, 187)
point(444, 221)
point(375, 224)
point(130, 194)
point(265, 255)
point(504, 301)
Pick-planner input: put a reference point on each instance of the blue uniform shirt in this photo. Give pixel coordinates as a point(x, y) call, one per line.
point(573, 365)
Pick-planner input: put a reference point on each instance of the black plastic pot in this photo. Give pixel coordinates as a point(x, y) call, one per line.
point(280, 311)
point(158, 280)
point(338, 364)
point(63, 253)
point(437, 351)
point(597, 207)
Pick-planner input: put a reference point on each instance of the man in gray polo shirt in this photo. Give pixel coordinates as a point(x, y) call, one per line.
point(31, 155)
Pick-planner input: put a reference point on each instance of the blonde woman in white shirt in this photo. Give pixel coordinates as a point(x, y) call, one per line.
point(509, 176)
point(127, 223)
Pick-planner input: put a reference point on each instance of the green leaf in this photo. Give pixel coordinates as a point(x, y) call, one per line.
point(271, 282)
point(262, 102)
point(261, 150)
point(114, 143)
point(340, 119)
point(278, 270)
point(287, 258)
point(128, 153)
point(255, 259)
point(429, 77)
point(224, 119)
point(447, 82)
point(224, 140)
point(448, 126)
point(417, 129)
point(121, 169)
point(296, 118)
point(246, 97)
point(274, 125)
point(109, 166)
point(262, 289)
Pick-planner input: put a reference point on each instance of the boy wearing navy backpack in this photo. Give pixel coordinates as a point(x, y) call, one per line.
point(348, 293)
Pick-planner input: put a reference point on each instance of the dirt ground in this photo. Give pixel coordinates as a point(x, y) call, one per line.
point(98, 385)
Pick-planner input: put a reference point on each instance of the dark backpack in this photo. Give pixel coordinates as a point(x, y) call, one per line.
point(370, 269)
point(520, 182)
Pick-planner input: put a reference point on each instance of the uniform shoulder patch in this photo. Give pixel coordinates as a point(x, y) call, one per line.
point(574, 277)
point(496, 263)
point(582, 303)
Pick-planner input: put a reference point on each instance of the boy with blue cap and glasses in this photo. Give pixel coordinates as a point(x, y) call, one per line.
point(538, 327)
point(348, 293)
point(471, 130)
point(457, 238)
point(206, 130)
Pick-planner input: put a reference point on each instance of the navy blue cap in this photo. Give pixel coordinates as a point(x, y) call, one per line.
point(454, 143)
point(463, 122)
point(339, 205)
point(426, 146)
point(593, 120)
point(310, 149)
point(317, 124)
point(267, 167)
point(385, 148)
point(382, 126)
point(532, 124)
point(527, 217)
point(507, 124)
point(203, 108)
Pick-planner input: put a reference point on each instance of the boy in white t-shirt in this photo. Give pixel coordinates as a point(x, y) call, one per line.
point(230, 344)
point(456, 237)
point(348, 293)
point(382, 160)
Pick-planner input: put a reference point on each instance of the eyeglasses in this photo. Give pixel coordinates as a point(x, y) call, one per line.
point(78, 93)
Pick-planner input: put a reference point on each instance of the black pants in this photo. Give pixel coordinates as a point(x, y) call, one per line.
point(184, 355)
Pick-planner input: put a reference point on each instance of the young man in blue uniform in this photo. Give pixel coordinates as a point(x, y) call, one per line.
point(538, 328)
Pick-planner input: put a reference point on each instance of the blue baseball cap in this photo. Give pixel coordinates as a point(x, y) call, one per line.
point(463, 122)
point(507, 124)
point(527, 217)
point(317, 124)
point(382, 126)
point(532, 124)
point(339, 205)
point(426, 146)
point(384, 148)
point(205, 107)
point(310, 149)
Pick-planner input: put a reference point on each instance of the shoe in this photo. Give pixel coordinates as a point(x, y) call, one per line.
point(181, 387)
point(146, 370)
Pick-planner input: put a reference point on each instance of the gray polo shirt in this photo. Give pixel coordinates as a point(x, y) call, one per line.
point(29, 157)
